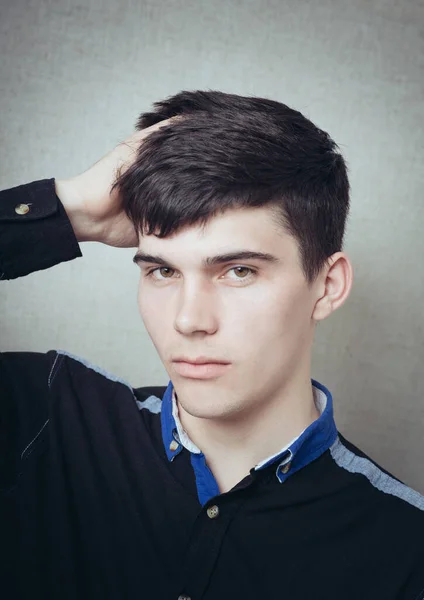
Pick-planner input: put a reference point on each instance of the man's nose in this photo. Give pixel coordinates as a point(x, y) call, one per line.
point(197, 309)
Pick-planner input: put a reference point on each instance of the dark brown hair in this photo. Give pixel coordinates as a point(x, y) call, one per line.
point(233, 151)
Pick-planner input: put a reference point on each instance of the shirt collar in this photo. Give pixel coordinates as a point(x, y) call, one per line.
point(303, 449)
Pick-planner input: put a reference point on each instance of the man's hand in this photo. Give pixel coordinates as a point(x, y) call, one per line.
point(95, 213)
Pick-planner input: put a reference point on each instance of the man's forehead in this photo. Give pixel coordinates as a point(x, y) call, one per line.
point(222, 241)
point(225, 232)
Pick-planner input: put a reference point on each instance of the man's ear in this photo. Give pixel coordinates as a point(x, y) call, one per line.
point(336, 284)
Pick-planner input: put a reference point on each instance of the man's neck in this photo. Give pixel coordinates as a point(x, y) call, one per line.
point(232, 447)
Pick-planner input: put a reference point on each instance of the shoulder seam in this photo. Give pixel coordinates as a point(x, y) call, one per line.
point(58, 360)
point(351, 462)
point(26, 452)
point(152, 404)
point(95, 368)
point(29, 448)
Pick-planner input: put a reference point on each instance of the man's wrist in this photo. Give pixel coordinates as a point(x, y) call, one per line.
point(82, 225)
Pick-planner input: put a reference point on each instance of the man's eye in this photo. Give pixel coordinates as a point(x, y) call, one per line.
point(241, 273)
point(160, 269)
point(240, 270)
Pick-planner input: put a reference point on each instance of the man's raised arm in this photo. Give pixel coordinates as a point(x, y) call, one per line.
point(41, 225)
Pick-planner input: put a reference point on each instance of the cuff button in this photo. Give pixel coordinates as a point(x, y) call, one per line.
point(22, 209)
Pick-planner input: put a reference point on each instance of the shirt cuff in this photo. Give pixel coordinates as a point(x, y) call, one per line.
point(35, 231)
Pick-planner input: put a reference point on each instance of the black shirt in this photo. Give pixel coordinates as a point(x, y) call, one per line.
point(102, 494)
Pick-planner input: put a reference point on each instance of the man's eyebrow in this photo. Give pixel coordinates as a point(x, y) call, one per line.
point(142, 257)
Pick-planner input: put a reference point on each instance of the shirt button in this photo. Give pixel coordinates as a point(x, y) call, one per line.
point(286, 468)
point(213, 511)
point(184, 597)
point(22, 209)
point(173, 445)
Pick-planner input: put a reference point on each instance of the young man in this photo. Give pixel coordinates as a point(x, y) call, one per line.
point(233, 481)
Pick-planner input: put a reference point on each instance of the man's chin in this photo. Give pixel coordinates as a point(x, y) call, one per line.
point(207, 407)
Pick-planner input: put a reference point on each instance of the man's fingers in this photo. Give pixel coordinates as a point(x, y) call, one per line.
point(133, 141)
point(127, 149)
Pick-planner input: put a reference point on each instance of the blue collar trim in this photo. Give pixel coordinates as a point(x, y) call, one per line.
point(170, 437)
point(313, 442)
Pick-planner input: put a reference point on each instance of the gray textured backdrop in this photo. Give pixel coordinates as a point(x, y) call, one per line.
point(73, 79)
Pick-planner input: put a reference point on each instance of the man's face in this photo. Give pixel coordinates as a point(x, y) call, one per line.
point(254, 314)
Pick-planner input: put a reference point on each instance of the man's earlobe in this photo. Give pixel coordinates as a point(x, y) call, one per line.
point(337, 286)
point(322, 309)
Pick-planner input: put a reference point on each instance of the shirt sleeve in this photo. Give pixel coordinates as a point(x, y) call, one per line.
point(35, 231)
point(35, 234)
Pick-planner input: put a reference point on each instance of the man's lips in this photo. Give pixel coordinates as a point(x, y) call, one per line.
point(200, 360)
point(200, 369)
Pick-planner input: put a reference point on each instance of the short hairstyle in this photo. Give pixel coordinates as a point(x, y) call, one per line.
point(230, 151)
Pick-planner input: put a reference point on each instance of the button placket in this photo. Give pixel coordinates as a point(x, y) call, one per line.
point(207, 536)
